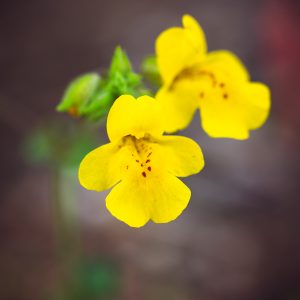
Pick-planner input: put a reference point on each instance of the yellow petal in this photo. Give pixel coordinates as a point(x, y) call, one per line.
point(222, 113)
point(230, 104)
point(257, 104)
point(170, 197)
point(182, 156)
point(179, 48)
point(179, 104)
point(219, 121)
point(130, 203)
point(100, 169)
point(246, 107)
point(161, 199)
point(225, 63)
point(136, 117)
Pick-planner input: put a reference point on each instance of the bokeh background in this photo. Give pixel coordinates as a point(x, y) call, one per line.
point(239, 237)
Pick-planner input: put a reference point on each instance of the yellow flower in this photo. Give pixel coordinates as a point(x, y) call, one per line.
point(217, 83)
point(141, 164)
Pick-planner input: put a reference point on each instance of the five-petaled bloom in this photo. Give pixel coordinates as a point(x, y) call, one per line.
point(141, 164)
point(217, 83)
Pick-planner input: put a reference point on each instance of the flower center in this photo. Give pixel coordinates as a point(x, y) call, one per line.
point(141, 153)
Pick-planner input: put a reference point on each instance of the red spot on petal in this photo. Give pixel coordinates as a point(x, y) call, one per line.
point(144, 174)
point(147, 161)
point(149, 169)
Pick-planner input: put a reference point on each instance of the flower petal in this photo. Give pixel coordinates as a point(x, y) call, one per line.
point(130, 116)
point(222, 118)
point(224, 125)
point(246, 108)
point(179, 104)
point(226, 63)
point(178, 48)
point(161, 199)
point(230, 105)
point(171, 196)
point(100, 169)
point(130, 203)
point(182, 156)
point(257, 104)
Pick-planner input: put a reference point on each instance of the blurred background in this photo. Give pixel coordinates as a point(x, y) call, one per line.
point(238, 238)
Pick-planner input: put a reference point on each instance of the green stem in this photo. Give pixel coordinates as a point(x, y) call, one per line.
point(66, 226)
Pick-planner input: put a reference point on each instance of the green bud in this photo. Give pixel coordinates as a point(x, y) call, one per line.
point(79, 91)
point(119, 63)
point(134, 79)
point(118, 83)
point(99, 104)
point(91, 96)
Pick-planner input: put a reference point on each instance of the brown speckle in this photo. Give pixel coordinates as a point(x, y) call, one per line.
point(225, 96)
point(222, 84)
point(149, 154)
point(137, 161)
point(149, 169)
point(147, 161)
point(144, 174)
point(127, 167)
point(201, 95)
point(73, 112)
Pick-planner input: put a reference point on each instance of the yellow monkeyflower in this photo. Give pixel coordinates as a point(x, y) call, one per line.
point(217, 83)
point(141, 164)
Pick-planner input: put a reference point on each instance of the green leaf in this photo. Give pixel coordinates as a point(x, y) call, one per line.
point(78, 92)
